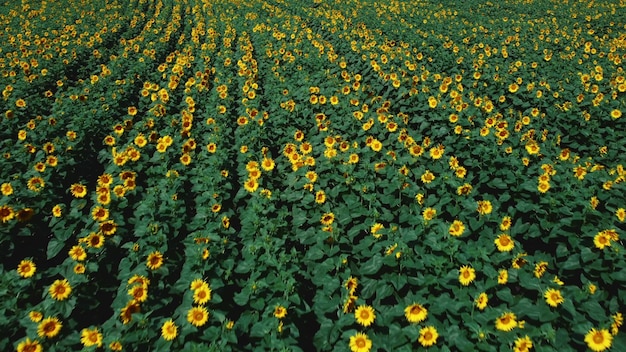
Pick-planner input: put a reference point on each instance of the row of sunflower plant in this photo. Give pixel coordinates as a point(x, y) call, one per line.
point(273, 175)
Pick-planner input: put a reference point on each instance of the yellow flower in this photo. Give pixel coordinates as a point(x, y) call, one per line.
point(598, 340)
point(351, 284)
point(77, 253)
point(364, 315)
point(155, 260)
point(60, 289)
point(7, 189)
point(457, 228)
point(429, 214)
point(415, 313)
point(78, 190)
point(197, 316)
point(504, 243)
point(280, 312)
point(428, 336)
point(523, 344)
point(467, 274)
point(26, 268)
point(327, 219)
point(6, 213)
point(360, 343)
point(506, 322)
point(601, 240)
point(540, 269)
point(49, 327)
point(484, 207)
point(503, 276)
point(428, 177)
point(57, 211)
point(481, 301)
point(267, 164)
point(202, 294)
point(169, 330)
point(29, 346)
point(553, 297)
point(91, 337)
point(35, 316)
point(616, 114)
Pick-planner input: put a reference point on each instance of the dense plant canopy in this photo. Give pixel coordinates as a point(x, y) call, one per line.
point(312, 175)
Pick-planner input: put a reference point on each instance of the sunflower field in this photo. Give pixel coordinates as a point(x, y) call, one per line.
point(312, 175)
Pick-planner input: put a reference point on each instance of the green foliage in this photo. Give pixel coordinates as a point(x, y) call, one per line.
point(286, 176)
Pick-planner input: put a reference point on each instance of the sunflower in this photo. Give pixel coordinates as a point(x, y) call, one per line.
point(126, 313)
point(6, 189)
point(523, 344)
point(116, 346)
point(79, 268)
point(376, 145)
point(26, 268)
point(503, 276)
point(91, 337)
point(505, 224)
point(49, 327)
point(364, 315)
point(108, 227)
point(29, 346)
point(35, 316)
point(428, 336)
point(6, 213)
point(169, 330)
point(484, 207)
point(327, 219)
point(78, 190)
point(540, 269)
point(602, 240)
point(267, 164)
point(427, 177)
point(94, 240)
point(139, 293)
point(415, 313)
point(467, 274)
point(553, 297)
point(456, 228)
point(280, 312)
point(616, 114)
point(360, 343)
point(429, 214)
point(351, 284)
point(251, 185)
point(620, 213)
point(60, 289)
point(77, 253)
point(504, 243)
point(197, 316)
point(598, 340)
point(155, 260)
point(100, 214)
point(202, 294)
point(185, 159)
point(320, 197)
point(506, 322)
point(481, 301)
point(432, 102)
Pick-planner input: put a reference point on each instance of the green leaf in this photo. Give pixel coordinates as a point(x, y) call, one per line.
point(372, 266)
point(572, 262)
point(241, 298)
point(54, 247)
point(619, 276)
point(260, 329)
point(594, 310)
